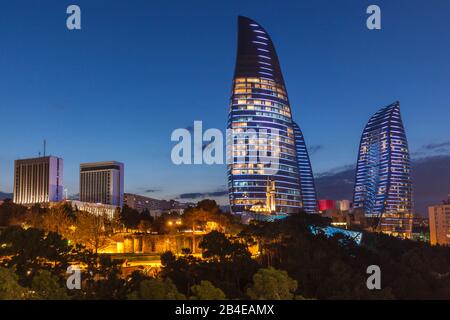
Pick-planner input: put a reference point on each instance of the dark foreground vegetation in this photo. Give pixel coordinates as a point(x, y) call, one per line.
point(292, 263)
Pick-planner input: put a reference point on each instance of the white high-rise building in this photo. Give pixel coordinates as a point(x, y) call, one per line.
point(38, 180)
point(102, 182)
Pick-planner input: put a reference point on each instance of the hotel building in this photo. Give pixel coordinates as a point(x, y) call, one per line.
point(38, 180)
point(383, 187)
point(439, 220)
point(102, 182)
point(260, 126)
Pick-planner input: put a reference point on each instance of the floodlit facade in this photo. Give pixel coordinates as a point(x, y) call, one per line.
point(141, 203)
point(264, 145)
point(439, 219)
point(102, 182)
point(97, 209)
point(38, 180)
point(383, 187)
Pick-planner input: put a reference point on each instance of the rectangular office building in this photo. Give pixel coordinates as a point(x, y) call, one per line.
point(102, 182)
point(439, 220)
point(38, 180)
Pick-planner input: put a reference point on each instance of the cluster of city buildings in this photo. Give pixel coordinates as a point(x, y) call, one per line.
point(40, 181)
point(383, 194)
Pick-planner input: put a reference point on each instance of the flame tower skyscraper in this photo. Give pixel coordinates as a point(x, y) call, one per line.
point(383, 187)
point(259, 103)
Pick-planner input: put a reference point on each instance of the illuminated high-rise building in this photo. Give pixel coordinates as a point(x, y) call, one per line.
point(102, 182)
point(38, 180)
point(439, 219)
point(307, 185)
point(265, 146)
point(383, 188)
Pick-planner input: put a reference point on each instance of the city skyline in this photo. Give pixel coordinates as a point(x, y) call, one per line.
point(94, 118)
point(224, 157)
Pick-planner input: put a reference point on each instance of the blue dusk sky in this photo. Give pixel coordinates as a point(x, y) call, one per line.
point(137, 70)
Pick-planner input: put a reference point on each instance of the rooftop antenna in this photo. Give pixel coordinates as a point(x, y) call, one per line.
point(45, 145)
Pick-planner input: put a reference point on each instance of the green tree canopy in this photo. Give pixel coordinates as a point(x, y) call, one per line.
point(217, 245)
point(10, 211)
point(130, 217)
point(28, 251)
point(156, 289)
point(9, 286)
point(206, 291)
point(272, 284)
point(47, 287)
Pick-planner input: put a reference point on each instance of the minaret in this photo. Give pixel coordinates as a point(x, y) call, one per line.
point(268, 196)
point(272, 197)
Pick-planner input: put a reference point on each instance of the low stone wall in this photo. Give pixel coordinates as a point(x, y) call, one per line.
point(150, 243)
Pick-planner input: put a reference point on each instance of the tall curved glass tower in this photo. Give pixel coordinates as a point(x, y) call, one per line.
point(307, 185)
point(263, 149)
point(383, 188)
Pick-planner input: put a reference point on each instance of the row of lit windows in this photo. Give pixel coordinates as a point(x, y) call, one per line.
point(277, 88)
point(260, 108)
point(255, 80)
point(240, 135)
point(261, 102)
point(242, 91)
point(244, 149)
point(263, 114)
point(249, 202)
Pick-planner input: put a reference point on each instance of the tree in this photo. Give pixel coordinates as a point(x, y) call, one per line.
point(47, 286)
point(208, 205)
point(9, 286)
point(272, 284)
point(129, 217)
point(58, 219)
point(181, 271)
point(216, 245)
point(156, 289)
point(228, 266)
point(103, 279)
point(34, 216)
point(206, 210)
point(93, 230)
point(10, 211)
point(144, 226)
point(31, 250)
point(206, 291)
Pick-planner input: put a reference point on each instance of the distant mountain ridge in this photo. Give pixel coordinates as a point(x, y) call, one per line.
point(430, 176)
point(4, 195)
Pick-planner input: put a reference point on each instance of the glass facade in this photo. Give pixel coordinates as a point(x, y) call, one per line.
point(260, 126)
point(383, 188)
point(307, 185)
